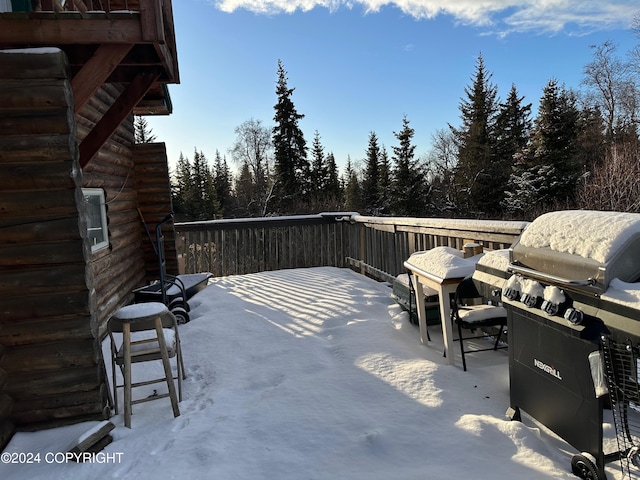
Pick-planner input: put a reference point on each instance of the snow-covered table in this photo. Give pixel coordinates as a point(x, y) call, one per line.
point(441, 268)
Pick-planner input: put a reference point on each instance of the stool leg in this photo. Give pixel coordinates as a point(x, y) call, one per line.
point(126, 351)
point(167, 368)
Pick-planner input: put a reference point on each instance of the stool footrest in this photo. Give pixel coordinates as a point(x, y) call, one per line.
point(149, 399)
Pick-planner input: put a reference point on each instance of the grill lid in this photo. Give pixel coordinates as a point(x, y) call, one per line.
point(580, 249)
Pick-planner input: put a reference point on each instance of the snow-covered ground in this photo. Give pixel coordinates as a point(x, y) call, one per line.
point(313, 374)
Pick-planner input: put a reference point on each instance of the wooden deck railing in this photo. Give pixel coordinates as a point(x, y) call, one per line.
point(376, 246)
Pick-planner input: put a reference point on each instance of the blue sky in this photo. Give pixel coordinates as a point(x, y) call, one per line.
point(361, 65)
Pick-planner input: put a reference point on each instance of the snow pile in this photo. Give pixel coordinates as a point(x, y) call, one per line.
point(624, 293)
point(589, 234)
point(553, 295)
point(443, 262)
point(497, 259)
point(313, 373)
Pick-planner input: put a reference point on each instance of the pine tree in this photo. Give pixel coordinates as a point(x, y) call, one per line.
point(408, 180)
point(371, 196)
point(475, 141)
point(291, 166)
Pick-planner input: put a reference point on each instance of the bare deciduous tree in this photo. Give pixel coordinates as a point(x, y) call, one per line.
point(611, 88)
point(253, 149)
point(613, 184)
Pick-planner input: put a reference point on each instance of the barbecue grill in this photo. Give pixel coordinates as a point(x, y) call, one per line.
point(559, 306)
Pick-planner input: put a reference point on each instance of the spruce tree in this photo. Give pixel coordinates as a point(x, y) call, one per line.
point(513, 128)
point(245, 190)
point(222, 182)
point(591, 141)
point(143, 133)
point(204, 204)
point(291, 167)
point(318, 173)
point(550, 167)
point(333, 190)
point(475, 140)
point(407, 187)
point(352, 189)
point(384, 182)
point(371, 195)
point(180, 188)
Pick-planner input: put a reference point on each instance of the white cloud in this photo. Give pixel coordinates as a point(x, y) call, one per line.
point(500, 16)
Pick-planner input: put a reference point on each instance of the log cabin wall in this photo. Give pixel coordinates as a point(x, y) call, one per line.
point(154, 202)
point(52, 367)
point(55, 294)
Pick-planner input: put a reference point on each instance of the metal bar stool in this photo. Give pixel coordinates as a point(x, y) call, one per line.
point(152, 317)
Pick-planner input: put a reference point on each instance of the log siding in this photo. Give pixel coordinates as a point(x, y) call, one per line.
point(56, 296)
point(46, 299)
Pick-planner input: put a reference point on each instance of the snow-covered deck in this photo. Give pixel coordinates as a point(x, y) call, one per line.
point(314, 373)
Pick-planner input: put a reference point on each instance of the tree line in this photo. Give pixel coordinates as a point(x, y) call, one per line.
point(581, 150)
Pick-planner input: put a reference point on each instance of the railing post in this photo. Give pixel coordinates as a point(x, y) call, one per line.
point(363, 248)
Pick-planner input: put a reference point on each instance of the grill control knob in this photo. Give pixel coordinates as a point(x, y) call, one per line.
point(529, 300)
point(550, 308)
point(573, 316)
point(511, 294)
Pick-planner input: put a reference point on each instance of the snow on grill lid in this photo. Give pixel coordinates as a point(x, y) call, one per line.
point(589, 234)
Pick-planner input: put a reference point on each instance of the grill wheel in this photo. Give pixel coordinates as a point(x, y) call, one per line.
point(584, 468)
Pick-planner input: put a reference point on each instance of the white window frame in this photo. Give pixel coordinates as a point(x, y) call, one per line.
point(98, 235)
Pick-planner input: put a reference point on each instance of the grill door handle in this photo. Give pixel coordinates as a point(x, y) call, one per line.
point(545, 277)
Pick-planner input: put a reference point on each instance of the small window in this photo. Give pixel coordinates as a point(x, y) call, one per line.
point(97, 231)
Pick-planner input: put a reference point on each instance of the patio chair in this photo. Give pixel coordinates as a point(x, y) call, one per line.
point(469, 312)
point(149, 333)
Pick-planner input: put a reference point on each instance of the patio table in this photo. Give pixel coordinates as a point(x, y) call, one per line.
point(444, 278)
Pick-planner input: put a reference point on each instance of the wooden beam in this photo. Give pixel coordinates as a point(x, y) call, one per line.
point(151, 20)
point(119, 111)
point(96, 71)
point(63, 30)
point(168, 62)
